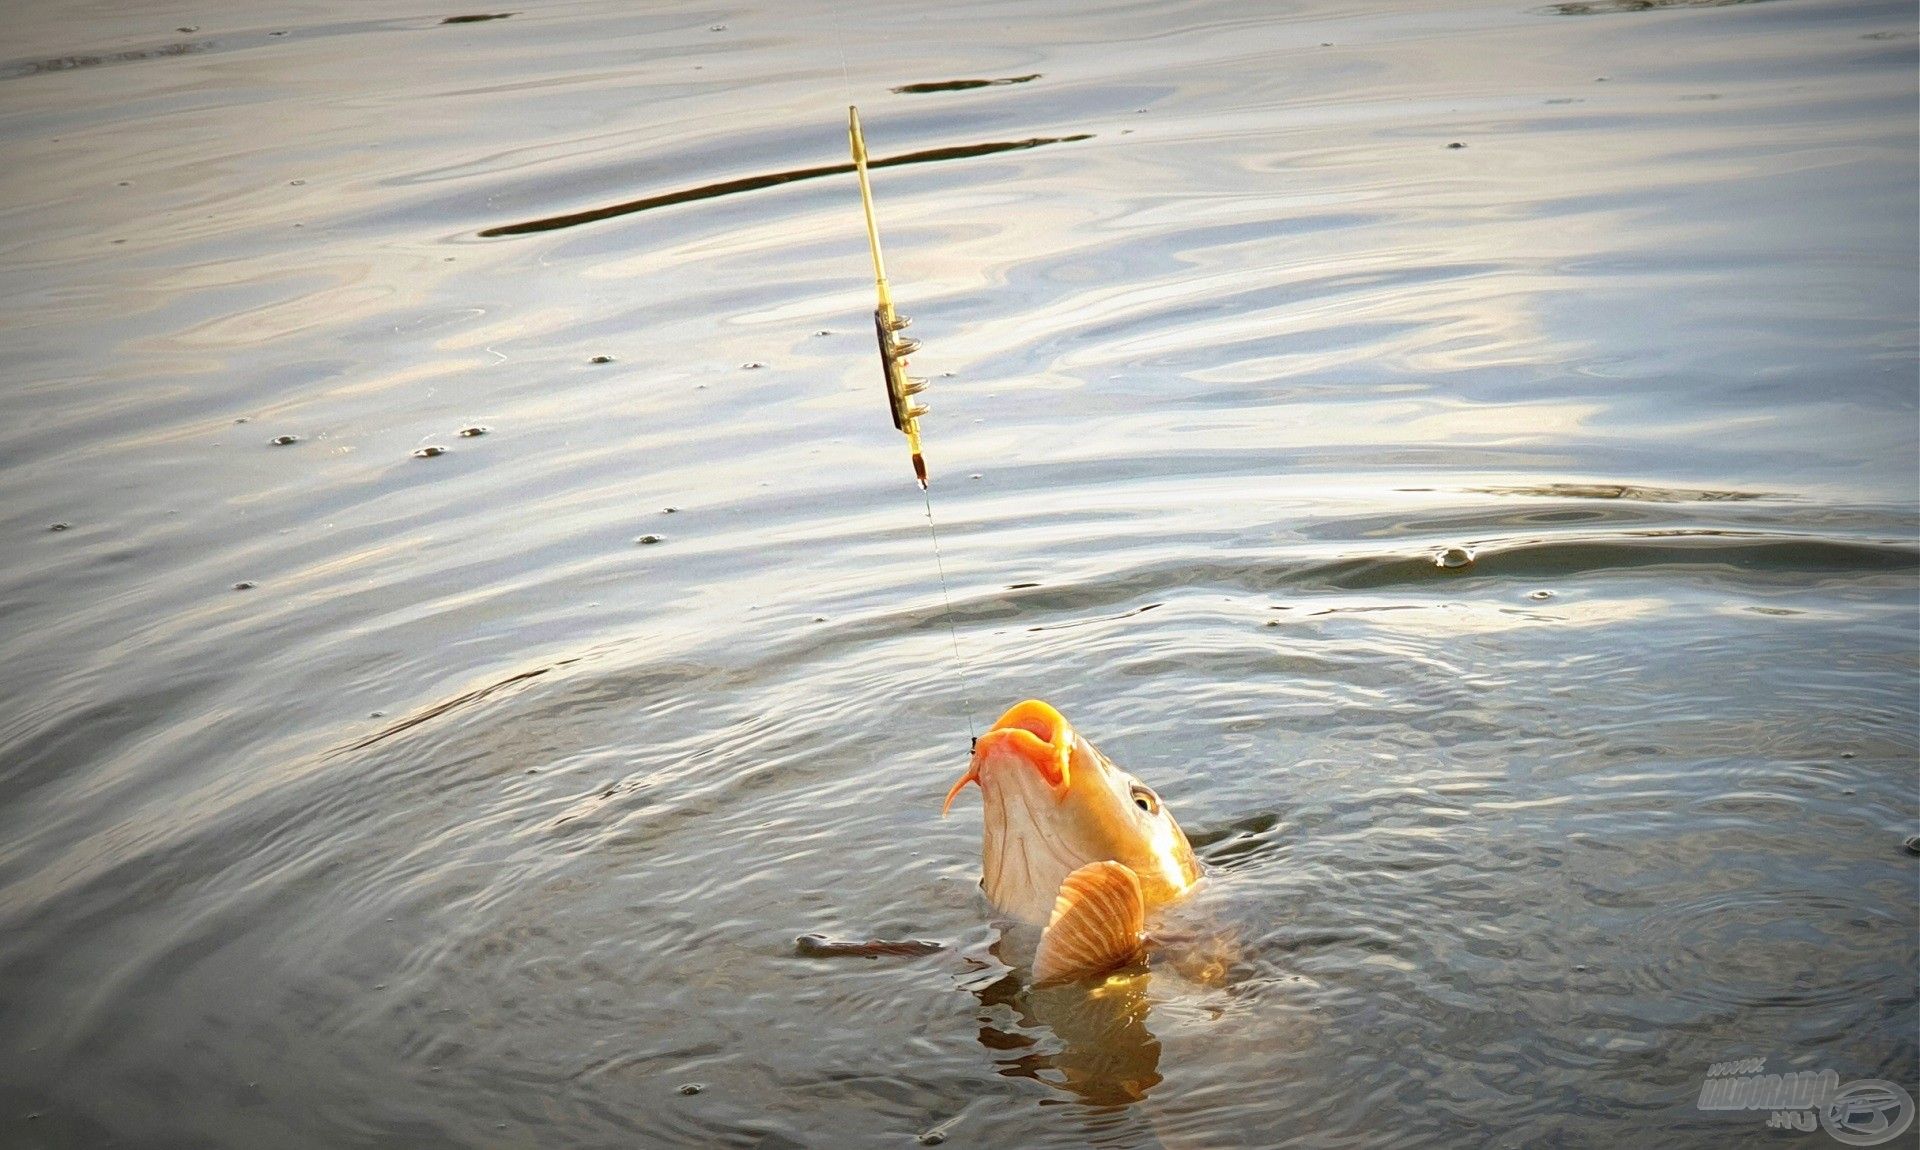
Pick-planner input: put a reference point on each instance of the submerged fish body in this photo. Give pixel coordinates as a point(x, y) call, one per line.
point(1072, 843)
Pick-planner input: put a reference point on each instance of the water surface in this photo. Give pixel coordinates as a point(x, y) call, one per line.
point(354, 795)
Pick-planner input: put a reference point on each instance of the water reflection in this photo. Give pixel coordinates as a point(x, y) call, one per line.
point(1101, 1050)
point(1091, 1038)
point(1514, 850)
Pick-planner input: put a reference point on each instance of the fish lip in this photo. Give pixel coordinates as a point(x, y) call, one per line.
point(1035, 732)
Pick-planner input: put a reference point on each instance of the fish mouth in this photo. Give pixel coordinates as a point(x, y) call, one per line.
point(1033, 732)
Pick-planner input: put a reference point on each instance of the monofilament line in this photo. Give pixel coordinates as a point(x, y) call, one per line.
point(953, 631)
point(933, 533)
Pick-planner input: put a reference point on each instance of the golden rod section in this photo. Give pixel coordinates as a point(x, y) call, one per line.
point(893, 349)
point(866, 204)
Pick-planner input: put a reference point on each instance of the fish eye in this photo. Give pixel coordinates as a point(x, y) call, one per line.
point(1145, 799)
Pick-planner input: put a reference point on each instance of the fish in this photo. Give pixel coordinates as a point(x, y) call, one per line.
point(1071, 843)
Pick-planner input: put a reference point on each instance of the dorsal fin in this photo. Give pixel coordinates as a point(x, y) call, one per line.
point(1098, 920)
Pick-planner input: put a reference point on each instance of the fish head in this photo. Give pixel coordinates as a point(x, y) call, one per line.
point(1054, 803)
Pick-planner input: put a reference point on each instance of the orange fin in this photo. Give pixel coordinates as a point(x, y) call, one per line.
point(1098, 921)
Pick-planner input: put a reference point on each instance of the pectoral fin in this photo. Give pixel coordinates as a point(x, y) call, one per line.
point(1098, 921)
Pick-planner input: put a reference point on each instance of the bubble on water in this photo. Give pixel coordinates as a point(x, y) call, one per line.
point(1454, 558)
point(477, 429)
point(283, 440)
point(429, 451)
point(1543, 593)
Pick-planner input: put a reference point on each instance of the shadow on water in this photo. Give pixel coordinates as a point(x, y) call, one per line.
point(773, 179)
point(1611, 7)
point(1747, 557)
point(962, 85)
point(436, 710)
point(225, 42)
point(96, 60)
point(1751, 553)
point(1627, 491)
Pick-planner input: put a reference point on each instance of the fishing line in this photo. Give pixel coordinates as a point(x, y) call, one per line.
point(953, 631)
point(840, 42)
point(901, 387)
